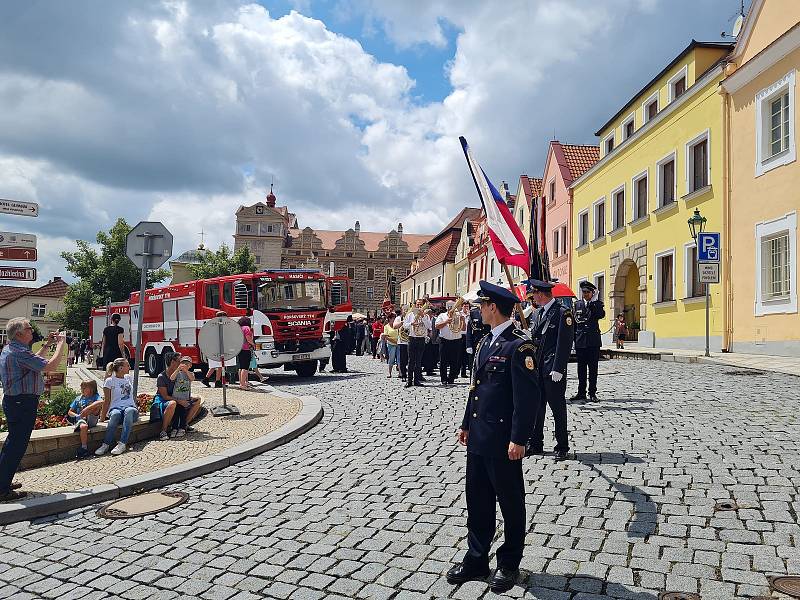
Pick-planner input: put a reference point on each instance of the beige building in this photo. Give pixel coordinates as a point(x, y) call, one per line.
point(264, 229)
point(760, 240)
point(36, 304)
point(435, 274)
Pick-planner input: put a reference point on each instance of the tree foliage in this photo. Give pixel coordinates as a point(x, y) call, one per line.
point(223, 262)
point(102, 273)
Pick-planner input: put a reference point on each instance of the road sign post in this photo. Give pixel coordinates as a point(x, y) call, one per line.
point(708, 253)
point(148, 246)
point(221, 339)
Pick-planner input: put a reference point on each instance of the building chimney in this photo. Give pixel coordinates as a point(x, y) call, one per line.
point(358, 228)
point(399, 228)
point(56, 278)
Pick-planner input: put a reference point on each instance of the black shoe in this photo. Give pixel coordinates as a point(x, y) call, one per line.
point(419, 385)
point(422, 380)
point(561, 455)
point(205, 382)
point(82, 453)
point(577, 397)
point(503, 580)
point(532, 451)
point(461, 574)
point(217, 384)
point(408, 385)
point(593, 398)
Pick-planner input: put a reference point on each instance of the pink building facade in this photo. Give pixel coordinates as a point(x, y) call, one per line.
point(564, 164)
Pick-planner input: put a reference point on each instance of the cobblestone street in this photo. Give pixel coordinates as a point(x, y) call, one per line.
point(370, 503)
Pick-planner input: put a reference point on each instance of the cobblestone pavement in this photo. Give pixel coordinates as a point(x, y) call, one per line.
point(370, 504)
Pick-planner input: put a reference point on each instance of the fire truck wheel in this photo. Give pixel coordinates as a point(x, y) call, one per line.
point(153, 363)
point(306, 369)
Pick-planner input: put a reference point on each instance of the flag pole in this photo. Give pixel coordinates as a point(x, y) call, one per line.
point(513, 291)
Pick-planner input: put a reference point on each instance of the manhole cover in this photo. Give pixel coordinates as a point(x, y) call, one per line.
point(678, 596)
point(726, 505)
point(143, 504)
point(749, 372)
point(787, 585)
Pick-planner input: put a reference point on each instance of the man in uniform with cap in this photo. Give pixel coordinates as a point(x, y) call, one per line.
point(501, 405)
point(552, 333)
point(588, 312)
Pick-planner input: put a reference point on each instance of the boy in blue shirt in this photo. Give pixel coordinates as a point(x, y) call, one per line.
point(84, 414)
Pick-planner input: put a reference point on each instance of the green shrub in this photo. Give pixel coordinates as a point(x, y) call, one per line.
point(59, 402)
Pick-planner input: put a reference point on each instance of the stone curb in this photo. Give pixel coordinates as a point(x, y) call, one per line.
point(310, 414)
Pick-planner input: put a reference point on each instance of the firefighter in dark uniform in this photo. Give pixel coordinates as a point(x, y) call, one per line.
point(552, 334)
point(475, 331)
point(588, 312)
point(503, 396)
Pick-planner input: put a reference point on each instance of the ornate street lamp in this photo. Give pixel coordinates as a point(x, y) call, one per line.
point(697, 224)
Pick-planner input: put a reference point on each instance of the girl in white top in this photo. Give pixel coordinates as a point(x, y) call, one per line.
point(119, 407)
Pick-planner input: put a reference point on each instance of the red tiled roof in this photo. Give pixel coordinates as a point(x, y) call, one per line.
point(458, 221)
point(442, 250)
point(53, 289)
point(371, 239)
point(532, 187)
point(579, 159)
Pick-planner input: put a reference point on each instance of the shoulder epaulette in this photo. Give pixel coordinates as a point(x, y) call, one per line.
point(519, 333)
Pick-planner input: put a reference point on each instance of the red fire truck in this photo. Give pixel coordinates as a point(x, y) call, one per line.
point(293, 311)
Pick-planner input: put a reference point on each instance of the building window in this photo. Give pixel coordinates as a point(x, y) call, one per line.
point(599, 218)
point(775, 267)
point(665, 276)
point(552, 191)
point(600, 284)
point(563, 239)
point(775, 138)
point(665, 173)
point(583, 228)
point(370, 293)
point(425, 288)
point(370, 274)
point(640, 196)
point(677, 85)
point(556, 245)
point(3, 336)
point(269, 228)
point(608, 144)
point(697, 163)
point(628, 127)
point(650, 108)
point(618, 207)
point(257, 259)
point(38, 310)
point(491, 268)
point(438, 284)
point(694, 288)
point(351, 273)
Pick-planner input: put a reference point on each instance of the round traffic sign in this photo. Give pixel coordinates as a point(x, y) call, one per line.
point(220, 338)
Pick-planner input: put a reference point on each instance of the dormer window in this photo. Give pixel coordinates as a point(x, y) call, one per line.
point(650, 108)
point(608, 144)
point(679, 87)
point(677, 84)
point(628, 126)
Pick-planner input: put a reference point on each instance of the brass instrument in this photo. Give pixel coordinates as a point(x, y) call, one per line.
point(456, 323)
point(418, 328)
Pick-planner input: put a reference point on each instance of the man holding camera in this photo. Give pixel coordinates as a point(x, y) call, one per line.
point(21, 372)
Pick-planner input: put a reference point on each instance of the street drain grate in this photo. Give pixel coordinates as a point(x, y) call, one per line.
point(143, 504)
point(726, 505)
point(678, 596)
point(749, 372)
point(786, 585)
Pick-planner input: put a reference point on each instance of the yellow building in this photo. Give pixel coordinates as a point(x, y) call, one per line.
point(661, 157)
point(760, 243)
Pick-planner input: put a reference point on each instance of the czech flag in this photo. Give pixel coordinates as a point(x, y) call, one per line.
point(507, 238)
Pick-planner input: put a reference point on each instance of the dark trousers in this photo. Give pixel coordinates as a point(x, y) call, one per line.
point(416, 348)
point(554, 396)
point(20, 411)
point(359, 346)
point(587, 357)
point(430, 357)
point(375, 341)
point(463, 357)
point(339, 356)
point(449, 359)
point(402, 354)
point(492, 480)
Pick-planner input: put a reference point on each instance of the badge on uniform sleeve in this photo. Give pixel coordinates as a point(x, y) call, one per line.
point(569, 320)
point(529, 364)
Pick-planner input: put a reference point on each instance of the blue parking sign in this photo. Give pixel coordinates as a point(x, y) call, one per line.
point(708, 247)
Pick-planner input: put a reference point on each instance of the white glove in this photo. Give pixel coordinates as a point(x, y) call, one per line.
point(469, 350)
point(556, 376)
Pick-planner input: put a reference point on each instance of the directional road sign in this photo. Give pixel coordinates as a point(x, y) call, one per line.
point(149, 245)
point(17, 273)
point(9, 239)
point(708, 272)
point(22, 209)
point(708, 247)
point(27, 254)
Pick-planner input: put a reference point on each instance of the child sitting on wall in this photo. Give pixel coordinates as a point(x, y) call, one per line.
point(84, 413)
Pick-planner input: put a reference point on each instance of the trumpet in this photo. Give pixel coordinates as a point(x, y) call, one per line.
point(456, 323)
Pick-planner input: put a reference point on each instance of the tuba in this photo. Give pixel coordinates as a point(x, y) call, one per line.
point(456, 318)
point(418, 328)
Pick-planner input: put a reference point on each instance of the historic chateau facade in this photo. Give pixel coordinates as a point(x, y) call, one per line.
point(369, 259)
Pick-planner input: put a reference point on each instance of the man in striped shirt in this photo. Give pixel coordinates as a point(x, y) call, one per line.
point(21, 372)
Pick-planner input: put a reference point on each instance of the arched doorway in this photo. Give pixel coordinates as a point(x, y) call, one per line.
point(629, 290)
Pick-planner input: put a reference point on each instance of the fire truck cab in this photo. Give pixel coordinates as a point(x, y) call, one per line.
point(293, 313)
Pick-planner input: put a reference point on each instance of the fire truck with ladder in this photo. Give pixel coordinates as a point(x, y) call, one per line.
point(293, 314)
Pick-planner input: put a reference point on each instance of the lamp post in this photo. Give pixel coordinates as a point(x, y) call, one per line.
point(697, 224)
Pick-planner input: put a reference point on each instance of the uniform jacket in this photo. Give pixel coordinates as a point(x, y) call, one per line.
point(553, 334)
point(587, 328)
point(503, 396)
point(475, 328)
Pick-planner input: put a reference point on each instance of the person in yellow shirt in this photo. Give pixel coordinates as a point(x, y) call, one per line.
point(390, 337)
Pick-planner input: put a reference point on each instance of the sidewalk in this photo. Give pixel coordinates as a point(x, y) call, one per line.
point(788, 365)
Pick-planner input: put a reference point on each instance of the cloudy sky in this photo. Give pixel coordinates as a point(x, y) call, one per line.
point(181, 110)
